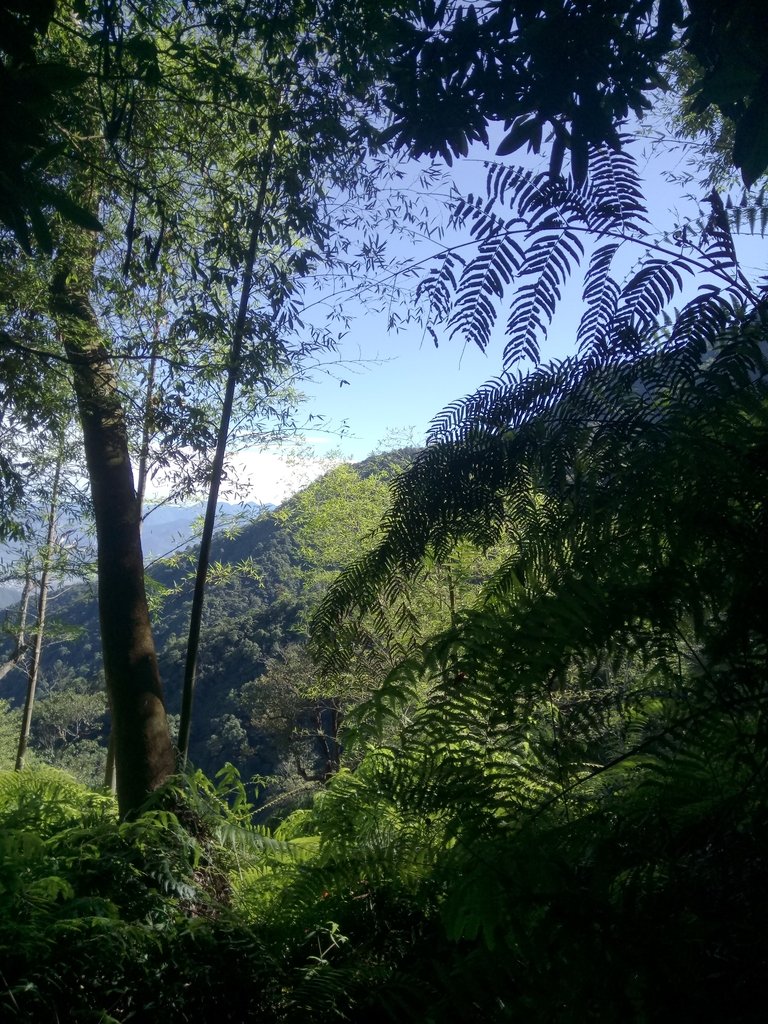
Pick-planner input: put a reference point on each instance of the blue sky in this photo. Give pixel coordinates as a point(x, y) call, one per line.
point(416, 379)
point(397, 380)
point(400, 380)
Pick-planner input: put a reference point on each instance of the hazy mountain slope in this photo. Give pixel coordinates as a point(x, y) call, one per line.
point(249, 617)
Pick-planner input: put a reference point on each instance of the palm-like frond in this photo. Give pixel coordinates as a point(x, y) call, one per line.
point(533, 234)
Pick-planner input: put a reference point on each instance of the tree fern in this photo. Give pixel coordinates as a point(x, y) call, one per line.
point(610, 676)
point(532, 234)
point(554, 252)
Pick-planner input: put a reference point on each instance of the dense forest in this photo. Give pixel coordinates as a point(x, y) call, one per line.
point(270, 573)
point(469, 732)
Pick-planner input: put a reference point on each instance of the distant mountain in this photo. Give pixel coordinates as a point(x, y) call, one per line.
point(256, 609)
point(246, 619)
point(169, 528)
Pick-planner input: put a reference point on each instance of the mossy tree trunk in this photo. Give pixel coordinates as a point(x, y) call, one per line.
point(142, 745)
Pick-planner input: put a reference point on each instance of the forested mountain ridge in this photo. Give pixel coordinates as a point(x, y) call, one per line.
point(257, 606)
point(167, 528)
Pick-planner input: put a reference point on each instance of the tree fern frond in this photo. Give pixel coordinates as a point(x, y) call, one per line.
point(483, 404)
point(440, 283)
point(717, 239)
point(550, 260)
point(601, 296)
point(647, 294)
point(516, 187)
point(552, 216)
point(616, 192)
point(459, 489)
point(482, 285)
point(702, 320)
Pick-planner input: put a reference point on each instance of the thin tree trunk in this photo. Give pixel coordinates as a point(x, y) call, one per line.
point(143, 748)
point(42, 604)
point(146, 427)
point(236, 348)
point(20, 646)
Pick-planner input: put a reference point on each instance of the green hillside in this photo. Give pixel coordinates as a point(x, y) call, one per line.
point(267, 579)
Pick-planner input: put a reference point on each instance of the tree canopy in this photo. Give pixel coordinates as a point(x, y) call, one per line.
point(212, 146)
point(569, 73)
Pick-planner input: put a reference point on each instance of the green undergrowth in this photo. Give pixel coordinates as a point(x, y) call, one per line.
point(103, 920)
point(399, 896)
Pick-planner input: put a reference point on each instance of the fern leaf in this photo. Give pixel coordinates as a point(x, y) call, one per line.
point(550, 260)
point(601, 296)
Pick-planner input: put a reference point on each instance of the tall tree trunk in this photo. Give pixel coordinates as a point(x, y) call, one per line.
point(110, 771)
point(143, 749)
point(42, 604)
point(146, 426)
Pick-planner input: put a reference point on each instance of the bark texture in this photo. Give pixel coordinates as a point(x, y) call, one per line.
point(142, 745)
